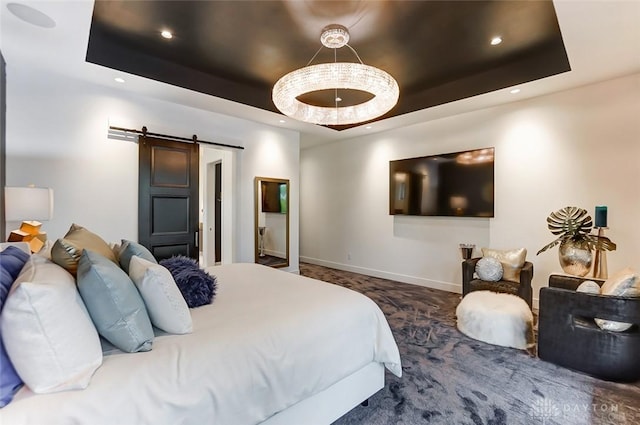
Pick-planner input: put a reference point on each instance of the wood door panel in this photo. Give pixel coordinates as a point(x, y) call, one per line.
point(169, 167)
point(166, 251)
point(170, 215)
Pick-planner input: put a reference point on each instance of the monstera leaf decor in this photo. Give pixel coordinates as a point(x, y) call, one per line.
point(575, 224)
point(573, 227)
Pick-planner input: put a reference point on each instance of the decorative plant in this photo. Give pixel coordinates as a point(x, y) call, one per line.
point(574, 224)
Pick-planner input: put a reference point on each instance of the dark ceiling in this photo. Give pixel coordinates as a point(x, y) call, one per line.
point(438, 51)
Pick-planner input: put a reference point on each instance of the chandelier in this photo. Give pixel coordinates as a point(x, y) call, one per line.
point(334, 76)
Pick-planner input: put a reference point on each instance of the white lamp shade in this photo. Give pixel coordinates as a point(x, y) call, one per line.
point(28, 203)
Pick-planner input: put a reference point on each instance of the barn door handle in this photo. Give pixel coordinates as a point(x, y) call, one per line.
point(197, 239)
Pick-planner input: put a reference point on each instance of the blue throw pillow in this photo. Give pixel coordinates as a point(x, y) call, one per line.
point(12, 260)
point(128, 249)
point(196, 285)
point(114, 303)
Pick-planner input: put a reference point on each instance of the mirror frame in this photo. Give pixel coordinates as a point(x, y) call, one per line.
point(257, 203)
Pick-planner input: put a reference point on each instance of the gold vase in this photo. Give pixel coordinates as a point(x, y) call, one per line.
point(575, 257)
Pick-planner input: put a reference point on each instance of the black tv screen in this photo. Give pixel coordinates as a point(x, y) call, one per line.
point(452, 184)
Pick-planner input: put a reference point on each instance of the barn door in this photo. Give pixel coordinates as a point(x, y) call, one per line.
point(168, 197)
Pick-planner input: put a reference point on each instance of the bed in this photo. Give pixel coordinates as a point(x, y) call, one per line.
point(273, 348)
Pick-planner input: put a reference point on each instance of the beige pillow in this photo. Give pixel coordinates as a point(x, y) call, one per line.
point(625, 283)
point(622, 284)
point(66, 251)
point(512, 261)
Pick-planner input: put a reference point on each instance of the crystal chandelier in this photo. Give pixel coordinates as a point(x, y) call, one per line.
point(334, 76)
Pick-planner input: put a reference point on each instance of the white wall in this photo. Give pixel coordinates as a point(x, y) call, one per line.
point(57, 137)
point(580, 147)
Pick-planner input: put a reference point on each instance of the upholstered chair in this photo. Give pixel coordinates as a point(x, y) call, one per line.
point(522, 288)
point(569, 337)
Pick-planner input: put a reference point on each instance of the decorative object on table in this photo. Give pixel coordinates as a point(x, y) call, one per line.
point(489, 269)
point(573, 227)
point(466, 249)
point(600, 257)
point(31, 204)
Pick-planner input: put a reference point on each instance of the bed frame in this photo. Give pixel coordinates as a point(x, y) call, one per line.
point(326, 406)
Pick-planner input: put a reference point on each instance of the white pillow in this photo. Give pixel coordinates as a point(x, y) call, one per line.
point(588, 287)
point(165, 304)
point(47, 330)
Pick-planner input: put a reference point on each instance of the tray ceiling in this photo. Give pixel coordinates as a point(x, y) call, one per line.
point(438, 51)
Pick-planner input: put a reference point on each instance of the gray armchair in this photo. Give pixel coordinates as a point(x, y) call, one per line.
point(569, 337)
point(522, 289)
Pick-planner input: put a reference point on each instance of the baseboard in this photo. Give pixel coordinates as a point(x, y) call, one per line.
point(444, 286)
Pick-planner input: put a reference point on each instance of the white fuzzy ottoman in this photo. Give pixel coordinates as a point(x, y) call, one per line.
point(500, 319)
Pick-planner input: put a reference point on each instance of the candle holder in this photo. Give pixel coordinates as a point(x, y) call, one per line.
point(600, 258)
point(466, 250)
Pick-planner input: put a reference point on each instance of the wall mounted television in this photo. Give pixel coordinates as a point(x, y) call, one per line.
point(458, 184)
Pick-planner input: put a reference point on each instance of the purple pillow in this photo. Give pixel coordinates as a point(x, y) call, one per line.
point(197, 286)
point(12, 260)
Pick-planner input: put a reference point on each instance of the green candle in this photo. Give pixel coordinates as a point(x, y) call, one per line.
point(601, 216)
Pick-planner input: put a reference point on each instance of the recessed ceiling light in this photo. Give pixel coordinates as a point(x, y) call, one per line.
point(119, 80)
point(496, 40)
point(514, 91)
point(166, 34)
point(31, 15)
point(282, 121)
point(368, 127)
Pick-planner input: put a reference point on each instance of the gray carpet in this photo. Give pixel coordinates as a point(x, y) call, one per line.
point(451, 379)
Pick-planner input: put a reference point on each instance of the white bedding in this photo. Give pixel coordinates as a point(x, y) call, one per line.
point(269, 340)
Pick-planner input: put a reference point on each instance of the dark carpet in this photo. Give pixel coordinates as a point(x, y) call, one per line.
point(451, 379)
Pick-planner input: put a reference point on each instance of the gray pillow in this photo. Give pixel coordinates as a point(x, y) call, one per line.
point(128, 249)
point(114, 303)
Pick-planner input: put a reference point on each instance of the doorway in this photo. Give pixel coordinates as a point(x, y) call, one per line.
point(217, 205)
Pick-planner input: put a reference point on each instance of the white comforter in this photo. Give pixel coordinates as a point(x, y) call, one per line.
point(269, 339)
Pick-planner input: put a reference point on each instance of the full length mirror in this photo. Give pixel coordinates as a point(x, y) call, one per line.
point(272, 221)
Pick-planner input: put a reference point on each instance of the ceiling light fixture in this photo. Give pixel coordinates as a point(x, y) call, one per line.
point(496, 40)
point(166, 34)
point(514, 91)
point(119, 80)
point(336, 76)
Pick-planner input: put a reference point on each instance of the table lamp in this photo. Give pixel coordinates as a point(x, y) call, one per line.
point(29, 205)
